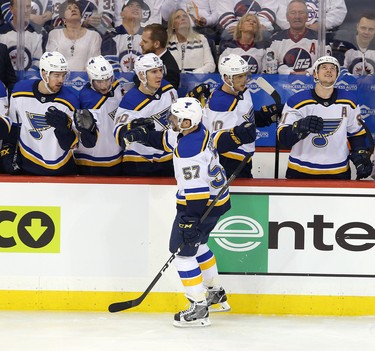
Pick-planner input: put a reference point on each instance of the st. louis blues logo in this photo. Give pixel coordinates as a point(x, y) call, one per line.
point(249, 116)
point(329, 128)
point(162, 118)
point(38, 123)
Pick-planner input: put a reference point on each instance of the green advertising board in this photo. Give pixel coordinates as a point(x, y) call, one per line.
point(240, 238)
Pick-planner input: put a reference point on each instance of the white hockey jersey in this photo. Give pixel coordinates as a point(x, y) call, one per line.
point(295, 54)
point(135, 105)
point(231, 10)
point(4, 110)
point(225, 111)
point(38, 147)
point(122, 49)
point(33, 46)
point(360, 63)
point(254, 55)
point(198, 172)
point(327, 152)
point(106, 153)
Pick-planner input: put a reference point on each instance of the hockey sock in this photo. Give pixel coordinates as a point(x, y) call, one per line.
point(191, 277)
point(207, 264)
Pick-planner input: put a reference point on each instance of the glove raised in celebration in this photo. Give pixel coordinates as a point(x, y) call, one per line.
point(245, 133)
point(58, 119)
point(189, 230)
point(141, 122)
point(307, 125)
point(199, 91)
point(84, 120)
point(362, 162)
point(139, 134)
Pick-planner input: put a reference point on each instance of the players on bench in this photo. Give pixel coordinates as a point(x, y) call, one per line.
point(317, 125)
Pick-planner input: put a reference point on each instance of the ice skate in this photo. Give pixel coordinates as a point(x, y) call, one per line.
point(195, 316)
point(217, 300)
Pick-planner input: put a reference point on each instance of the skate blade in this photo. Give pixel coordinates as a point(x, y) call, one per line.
point(204, 322)
point(219, 307)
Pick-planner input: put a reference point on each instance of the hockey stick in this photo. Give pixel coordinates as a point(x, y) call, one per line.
point(270, 90)
point(124, 305)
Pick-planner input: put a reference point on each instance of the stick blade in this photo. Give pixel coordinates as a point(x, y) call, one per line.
point(122, 306)
point(269, 89)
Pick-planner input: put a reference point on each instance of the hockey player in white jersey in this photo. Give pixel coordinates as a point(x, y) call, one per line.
point(200, 178)
point(230, 105)
point(317, 125)
point(41, 113)
point(151, 100)
point(102, 96)
point(4, 125)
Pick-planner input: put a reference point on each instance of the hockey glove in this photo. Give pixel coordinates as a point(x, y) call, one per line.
point(58, 119)
point(84, 121)
point(189, 230)
point(362, 162)
point(139, 134)
point(199, 91)
point(307, 125)
point(268, 115)
point(245, 133)
point(146, 122)
point(7, 155)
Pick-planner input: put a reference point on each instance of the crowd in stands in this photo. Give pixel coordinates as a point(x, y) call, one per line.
point(189, 36)
point(199, 32)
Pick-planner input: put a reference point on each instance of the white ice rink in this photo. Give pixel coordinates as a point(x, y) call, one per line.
point(80, 331)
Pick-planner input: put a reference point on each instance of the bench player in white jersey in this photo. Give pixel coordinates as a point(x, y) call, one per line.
point(230, 105)
point(152, 99)
point(102, 96)
point(200, 178)
point(4, 124)
point(41, 113)
point(317, 125)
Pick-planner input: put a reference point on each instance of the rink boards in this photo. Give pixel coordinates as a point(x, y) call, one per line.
point(285, 247)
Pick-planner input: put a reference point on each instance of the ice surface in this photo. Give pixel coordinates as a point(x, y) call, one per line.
point(130, 331)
